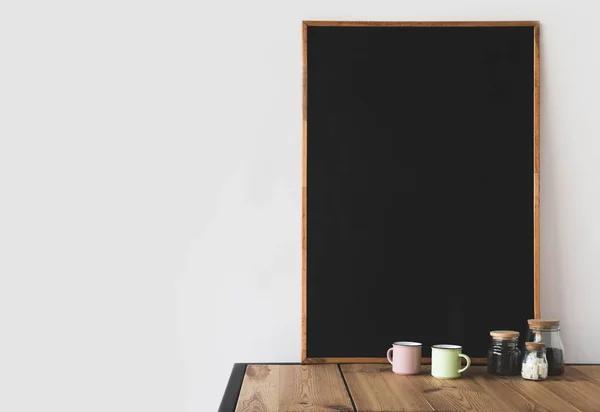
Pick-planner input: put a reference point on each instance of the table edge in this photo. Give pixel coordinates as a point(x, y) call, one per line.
point(233, 388)
point(234, 385)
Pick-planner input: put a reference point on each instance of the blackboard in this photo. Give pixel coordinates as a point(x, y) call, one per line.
point(420, 185)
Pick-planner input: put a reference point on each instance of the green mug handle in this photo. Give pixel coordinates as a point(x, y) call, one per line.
point(468, 362)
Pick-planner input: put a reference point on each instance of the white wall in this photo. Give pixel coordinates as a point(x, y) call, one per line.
point(150, 190)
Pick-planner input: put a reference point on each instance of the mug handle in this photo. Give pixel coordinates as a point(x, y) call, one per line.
point(389, 355)
point(468, 362)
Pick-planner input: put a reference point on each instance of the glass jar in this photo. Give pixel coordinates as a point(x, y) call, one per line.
point(548, 332)
point(504, 354)
point(535, 364)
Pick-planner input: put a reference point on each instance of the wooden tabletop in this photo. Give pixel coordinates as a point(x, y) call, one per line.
point(367, 387)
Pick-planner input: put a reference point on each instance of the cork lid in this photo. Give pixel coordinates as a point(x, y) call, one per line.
point(504, 334)
point(541, 324)
point(534, 345)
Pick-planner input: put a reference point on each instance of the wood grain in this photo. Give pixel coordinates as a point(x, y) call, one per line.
point(577, 389)
point(424, 361)
point(593, 371)
point(377, 388)
point(304, 190)
point(374, 388)
point(574, 391)
point(260, 389)
point(536, 98)
point(273, 388)
point(537, 312)
point(457, 394)
point(538, 393)
point(536, 171)
point(503, 394)
point(421, 23)
point(345, 360)
point(314, 388)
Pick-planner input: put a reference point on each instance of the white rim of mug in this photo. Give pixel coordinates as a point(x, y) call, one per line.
point(446, 346)
point(406, 343)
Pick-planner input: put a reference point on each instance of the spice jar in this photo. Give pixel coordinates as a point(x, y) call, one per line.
point(504, 354)
point(548, 331)
point(535, 364)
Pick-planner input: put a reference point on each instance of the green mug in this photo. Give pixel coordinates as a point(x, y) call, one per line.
point(445, 361)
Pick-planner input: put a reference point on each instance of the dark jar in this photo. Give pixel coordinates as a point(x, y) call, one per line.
point(548, 332)
point(504, 356)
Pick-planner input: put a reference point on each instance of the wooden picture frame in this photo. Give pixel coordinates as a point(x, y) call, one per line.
point(536, 162)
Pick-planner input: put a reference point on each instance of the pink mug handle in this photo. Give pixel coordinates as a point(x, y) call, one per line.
point(389, 355)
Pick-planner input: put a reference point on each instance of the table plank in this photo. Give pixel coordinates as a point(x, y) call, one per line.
point(593, 371)
point(539, 393)
point(314, 388)
point(260, 389)
point(274, 388)
point(376, 388)
point(576, 388)
point(504, 394)
point(461, 394)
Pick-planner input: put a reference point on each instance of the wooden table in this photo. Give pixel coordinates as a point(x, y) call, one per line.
point(373, 387)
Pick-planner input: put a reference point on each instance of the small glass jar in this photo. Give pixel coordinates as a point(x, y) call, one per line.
point(548, 332)
point(504, 354)
point(535, 364)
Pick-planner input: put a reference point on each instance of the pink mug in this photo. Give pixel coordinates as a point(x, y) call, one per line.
point(405, 357)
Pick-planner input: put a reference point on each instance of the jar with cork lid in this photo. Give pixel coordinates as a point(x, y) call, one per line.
point(504, 354)
point(535, 364)
point(548, 332)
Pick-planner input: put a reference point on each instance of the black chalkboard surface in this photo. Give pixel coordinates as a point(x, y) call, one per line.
point(421, 185)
